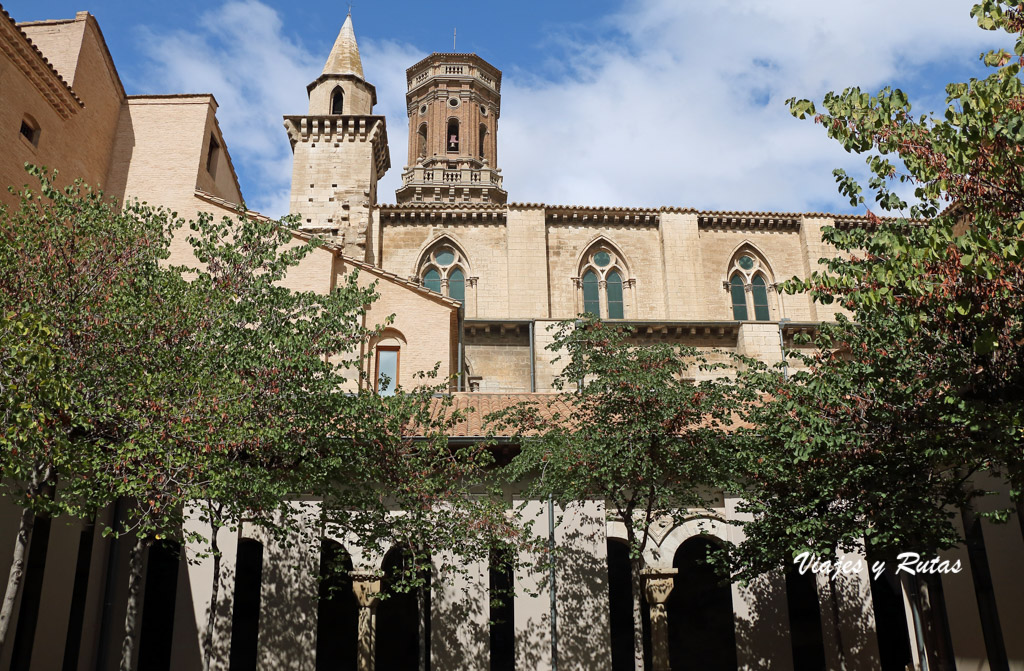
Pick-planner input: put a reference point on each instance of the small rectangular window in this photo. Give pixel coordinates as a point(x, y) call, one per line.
point(30, 131)
point(387, 370)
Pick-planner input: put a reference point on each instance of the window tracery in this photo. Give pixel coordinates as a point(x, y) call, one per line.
point(444, 270)
point(748, 286)
point(603, 282)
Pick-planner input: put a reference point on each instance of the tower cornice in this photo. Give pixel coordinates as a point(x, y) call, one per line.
point(329, 76)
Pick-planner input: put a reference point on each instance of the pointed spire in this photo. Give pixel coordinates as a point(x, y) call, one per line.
point(344, 58)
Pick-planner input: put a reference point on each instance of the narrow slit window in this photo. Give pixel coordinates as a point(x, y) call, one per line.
point(483, 138)
point(739, 299)
point(457, 285)
point(212, 156)
point(432, 280)
point(760, 293)
point(387, 370)
point(591, 294)
point(337, 101)
point(615, 310)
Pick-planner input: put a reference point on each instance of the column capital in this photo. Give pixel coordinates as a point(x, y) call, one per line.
point(658, 583)
point(366, 586)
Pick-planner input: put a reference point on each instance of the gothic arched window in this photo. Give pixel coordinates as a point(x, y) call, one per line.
point(483, 138)
point(337, 101)
point(444, 269)
point(453, 136)
point(421, 137)
point(602, 282)
point(748, 288)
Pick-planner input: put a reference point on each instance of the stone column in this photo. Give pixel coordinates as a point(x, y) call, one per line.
point(658, 585)
point(471, 303)
point(366, 586)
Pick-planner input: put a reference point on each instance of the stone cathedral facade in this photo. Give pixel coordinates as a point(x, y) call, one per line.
point(474, 279)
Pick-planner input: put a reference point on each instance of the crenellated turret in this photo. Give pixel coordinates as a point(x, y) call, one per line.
point(340, 150)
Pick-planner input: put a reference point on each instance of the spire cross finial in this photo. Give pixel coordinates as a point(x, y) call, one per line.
point(455, 32)
point(350, 9)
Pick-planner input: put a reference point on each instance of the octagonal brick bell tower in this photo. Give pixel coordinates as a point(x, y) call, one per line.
point(453, 101)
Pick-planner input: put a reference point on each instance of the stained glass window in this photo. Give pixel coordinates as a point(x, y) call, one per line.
point(739, 299)
point(432, 280)
point(760, 293)
point(457, 285)
point(591, 295)
point(615, 310)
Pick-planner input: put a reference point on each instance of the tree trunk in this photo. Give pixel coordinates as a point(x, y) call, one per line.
point(211, 618)
point(14, 578)
point(131, 617)
point(837, 625)
point(421, 606)
point(636, 565)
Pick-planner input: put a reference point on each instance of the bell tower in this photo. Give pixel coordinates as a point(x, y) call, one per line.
point(453, 101)
point(339, 151)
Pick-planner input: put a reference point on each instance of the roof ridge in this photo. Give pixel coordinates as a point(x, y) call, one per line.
point(32, 46)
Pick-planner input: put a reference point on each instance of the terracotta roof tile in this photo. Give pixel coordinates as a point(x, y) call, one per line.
point(475, 407)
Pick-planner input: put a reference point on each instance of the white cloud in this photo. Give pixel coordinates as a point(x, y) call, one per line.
point(688, 109)
point(678, 103)
point(241, 54)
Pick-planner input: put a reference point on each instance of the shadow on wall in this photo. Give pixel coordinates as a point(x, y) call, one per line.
point(460, 611)
point(815, 629)
point(768, 629)
point(289, 606)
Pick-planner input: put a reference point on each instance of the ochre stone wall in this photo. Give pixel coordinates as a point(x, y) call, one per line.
point(79, 147)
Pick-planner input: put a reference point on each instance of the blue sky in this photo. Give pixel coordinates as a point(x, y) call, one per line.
point(637, 103)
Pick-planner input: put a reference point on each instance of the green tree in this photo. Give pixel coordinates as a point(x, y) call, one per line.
point(642, 427)
point(915, 389)
point(398, 481)
point(68, 262)
point(241, 381)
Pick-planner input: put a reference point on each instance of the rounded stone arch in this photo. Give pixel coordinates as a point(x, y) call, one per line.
point(389, 337)
point(660, 554)
point(397, 630)
point(385, 360)
point(701, 525)
point(453, 146)
point(337, 622)
point(700, 609)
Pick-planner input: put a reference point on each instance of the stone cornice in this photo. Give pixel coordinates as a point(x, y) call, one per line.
point(17, 46)
point(343, 128)
point(483, 213)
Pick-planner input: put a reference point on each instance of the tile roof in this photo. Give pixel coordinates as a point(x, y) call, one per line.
point(333, 247)
point(474, 407)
